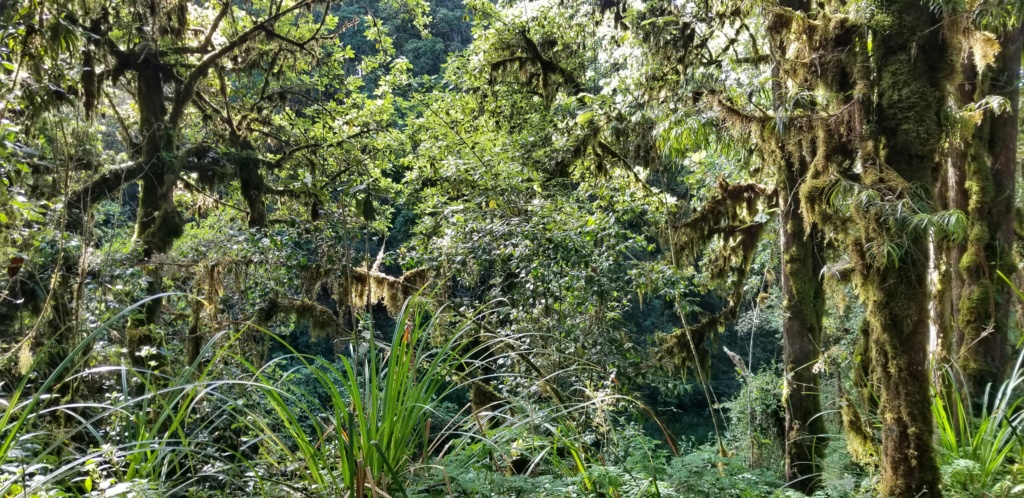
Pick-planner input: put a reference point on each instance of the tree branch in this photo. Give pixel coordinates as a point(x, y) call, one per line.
point(208, 39)
point(549, 66)
point(288, 154)
point(100, 188)
point(187, 91)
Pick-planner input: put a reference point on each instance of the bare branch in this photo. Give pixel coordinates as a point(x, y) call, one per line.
point(208, 39)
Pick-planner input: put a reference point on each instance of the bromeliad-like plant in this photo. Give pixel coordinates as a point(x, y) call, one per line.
point(380, 402)
point(975, 448)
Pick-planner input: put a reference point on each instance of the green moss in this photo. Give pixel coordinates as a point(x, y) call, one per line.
point(859, 441)
point(862, 370)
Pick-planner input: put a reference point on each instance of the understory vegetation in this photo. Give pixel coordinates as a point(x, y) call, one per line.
point(511, 248)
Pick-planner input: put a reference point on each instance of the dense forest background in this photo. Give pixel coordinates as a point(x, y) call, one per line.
point(515, 248)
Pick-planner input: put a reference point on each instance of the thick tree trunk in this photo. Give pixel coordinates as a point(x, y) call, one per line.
point(803, 305)
point(803, 300)
point(912, 61)
point(899, 335)
point(986, 301)
point(253, 189)
point(158, 222)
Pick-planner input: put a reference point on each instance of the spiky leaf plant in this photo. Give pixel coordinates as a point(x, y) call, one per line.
point(976, 448)
point(158, 434)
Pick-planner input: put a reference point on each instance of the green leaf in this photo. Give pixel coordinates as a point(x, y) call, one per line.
point(585, 117)
point(366, 208)
point(319, 192)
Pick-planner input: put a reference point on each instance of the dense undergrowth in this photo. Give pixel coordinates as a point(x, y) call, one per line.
point(554, 248)
point(391, 419)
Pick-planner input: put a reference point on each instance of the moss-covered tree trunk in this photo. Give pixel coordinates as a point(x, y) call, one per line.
point(803, 300)
point(803, 305)
point(158, 222)
point(898, 322)
point(985, 301)
point(912, 64)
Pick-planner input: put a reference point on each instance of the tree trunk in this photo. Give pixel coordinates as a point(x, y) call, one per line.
point(194, 336)
point(803, 300)
point(253, 188)
point(985, 300)
point(158, 222)
point(803, 305)
point(945, 280)
point(911, 60)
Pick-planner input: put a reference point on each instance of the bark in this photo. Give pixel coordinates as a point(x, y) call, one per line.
point(986, 301)
point(159, 223)
point(803, 308)
point(912, 64)
point(803, 300)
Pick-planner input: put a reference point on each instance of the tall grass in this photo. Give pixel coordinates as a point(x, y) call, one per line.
point(358, 425)
point(156, 434)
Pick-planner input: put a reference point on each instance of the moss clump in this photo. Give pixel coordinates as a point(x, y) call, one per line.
point(859, 440)
point(729, 220)
point(366, 286)
point(322, 321)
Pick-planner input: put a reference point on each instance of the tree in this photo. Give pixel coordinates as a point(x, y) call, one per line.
point(860, 141)
point(981, 182)
point(776, 125)
point(204, 96)
point(912, 58)
point(899, 78)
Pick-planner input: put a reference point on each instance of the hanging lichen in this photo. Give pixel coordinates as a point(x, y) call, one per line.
point(365, 286)
point(731, 222)
point(322, 322)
